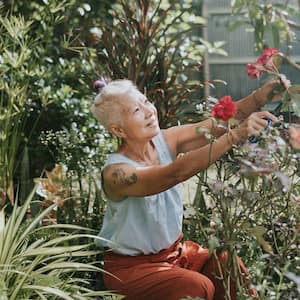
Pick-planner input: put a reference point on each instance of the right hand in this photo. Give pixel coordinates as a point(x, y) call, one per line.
point(254, 125)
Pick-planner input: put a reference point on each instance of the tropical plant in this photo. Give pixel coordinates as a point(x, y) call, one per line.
point(44, 262)
point(156, 44)
point(78, 199)
point(14, 104)
point(45, 101)
point(274, 22)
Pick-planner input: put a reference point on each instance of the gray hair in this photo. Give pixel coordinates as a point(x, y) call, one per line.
point(106, 105)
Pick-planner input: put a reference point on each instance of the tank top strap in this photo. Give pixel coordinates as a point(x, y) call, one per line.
point(162, 148)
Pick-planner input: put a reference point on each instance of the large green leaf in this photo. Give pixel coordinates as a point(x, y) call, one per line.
point(54, 250)
point(25, 264)
point(3, 290)
point(50, 290)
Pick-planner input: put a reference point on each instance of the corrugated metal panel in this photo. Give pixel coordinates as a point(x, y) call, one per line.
point(213, 5)
point(238, 84)
point(240, 48)
point(238, 43)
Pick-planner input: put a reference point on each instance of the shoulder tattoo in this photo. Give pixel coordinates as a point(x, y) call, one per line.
point(119, 176)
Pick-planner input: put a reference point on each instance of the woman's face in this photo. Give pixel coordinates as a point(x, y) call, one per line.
point(139, 117)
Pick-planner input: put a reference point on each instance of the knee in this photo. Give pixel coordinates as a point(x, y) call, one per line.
point(198, 285)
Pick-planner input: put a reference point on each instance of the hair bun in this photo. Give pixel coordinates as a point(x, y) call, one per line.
point(99, 85)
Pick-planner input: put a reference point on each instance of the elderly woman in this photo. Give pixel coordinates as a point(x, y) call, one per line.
point(142, 225)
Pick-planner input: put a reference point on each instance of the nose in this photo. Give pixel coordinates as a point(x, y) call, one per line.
point(149, 111)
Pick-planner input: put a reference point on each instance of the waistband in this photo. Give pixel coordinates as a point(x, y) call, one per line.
point(166, 255)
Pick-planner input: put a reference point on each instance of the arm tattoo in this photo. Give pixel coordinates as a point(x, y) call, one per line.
point(119, 176)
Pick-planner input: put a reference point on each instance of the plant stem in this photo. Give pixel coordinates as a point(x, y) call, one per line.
point(290, 62)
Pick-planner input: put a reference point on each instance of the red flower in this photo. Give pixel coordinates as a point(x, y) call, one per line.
point(266, 58)
point(255, 70)
point(263, 64)
point(224, 109)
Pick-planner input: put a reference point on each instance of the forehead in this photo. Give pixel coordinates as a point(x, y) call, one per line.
point(130, 100)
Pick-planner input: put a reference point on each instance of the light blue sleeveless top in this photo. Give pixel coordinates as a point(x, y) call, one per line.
point(143, 225)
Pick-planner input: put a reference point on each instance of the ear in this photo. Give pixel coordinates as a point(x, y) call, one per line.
point(117, 131)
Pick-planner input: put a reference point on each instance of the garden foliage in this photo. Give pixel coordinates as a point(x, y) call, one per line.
point(50, 53)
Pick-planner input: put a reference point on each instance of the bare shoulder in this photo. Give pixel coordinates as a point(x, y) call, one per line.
point(116, 178)
point(171, 137)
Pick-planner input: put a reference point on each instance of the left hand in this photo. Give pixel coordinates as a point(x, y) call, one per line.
point(271, 91)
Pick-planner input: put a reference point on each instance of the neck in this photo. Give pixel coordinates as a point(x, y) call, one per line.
point(139, 151)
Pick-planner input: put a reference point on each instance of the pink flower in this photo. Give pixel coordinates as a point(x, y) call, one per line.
point(224, 109)
point(295, 137)
point(267, 56)
point(263, 64)
point(255, 70)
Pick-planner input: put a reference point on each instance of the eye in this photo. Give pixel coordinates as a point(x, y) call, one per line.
point(147, 102)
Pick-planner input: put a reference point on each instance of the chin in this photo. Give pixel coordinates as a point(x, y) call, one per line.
point(155, 131)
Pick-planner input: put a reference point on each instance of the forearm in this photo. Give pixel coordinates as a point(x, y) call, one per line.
point(248, 105)
point(123, 180)
point(189, 137)
point(200, 159)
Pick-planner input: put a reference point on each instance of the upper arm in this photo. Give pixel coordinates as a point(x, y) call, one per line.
point(184, 138)
point(123, 180)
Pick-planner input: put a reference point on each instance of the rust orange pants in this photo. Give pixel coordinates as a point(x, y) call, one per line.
point(185, 269)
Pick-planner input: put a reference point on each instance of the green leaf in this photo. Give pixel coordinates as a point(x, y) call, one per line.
point(49, 290)
point(213, 243)
point(69, 266)
point(2, 227)
point(276, 36)
point(3, 290)
point(54, 250)
point(258, 232)
point(235, 25)
point(64, 226)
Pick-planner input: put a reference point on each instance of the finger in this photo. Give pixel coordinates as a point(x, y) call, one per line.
point(256, 133)
point(253, 132)
point(259, 127)
point(257, 124)
point(258, 121)
point(267, 115)
point(271, 84)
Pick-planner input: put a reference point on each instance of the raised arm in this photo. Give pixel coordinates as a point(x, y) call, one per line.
point(185, 138)
point(121, 180)
point(256, 100)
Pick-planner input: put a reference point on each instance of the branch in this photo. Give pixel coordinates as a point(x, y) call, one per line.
point(290, 62)
point(293, 24)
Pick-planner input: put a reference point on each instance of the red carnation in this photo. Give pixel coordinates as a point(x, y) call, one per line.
point(224, 109)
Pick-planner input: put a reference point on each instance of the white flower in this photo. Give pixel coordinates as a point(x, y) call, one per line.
point(199, 107)
point(286, 83)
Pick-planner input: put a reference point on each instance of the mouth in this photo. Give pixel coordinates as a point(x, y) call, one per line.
point(152, 123)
